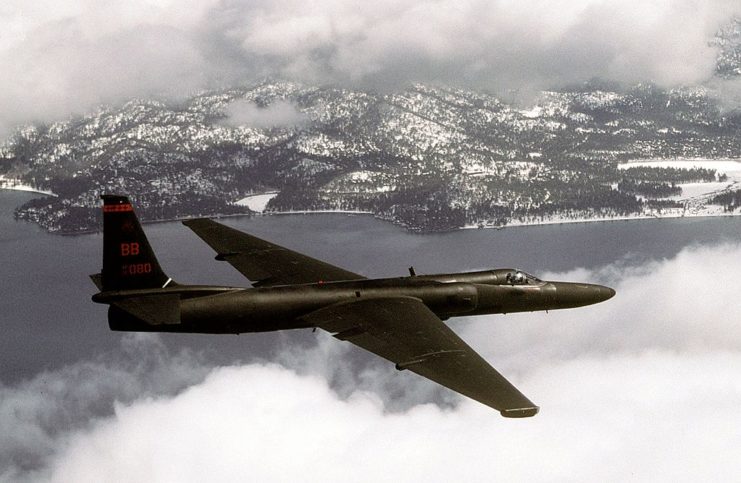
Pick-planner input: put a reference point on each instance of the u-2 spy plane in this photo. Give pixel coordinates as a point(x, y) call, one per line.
point(399, 319)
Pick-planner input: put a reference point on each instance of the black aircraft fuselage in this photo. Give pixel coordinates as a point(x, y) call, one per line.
point(233, 310)
point(399, 319)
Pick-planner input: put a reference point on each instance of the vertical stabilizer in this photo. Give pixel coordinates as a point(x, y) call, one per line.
point(128, 260)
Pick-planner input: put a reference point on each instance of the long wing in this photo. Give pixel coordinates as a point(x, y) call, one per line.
point(265, 263)
point(404, 331)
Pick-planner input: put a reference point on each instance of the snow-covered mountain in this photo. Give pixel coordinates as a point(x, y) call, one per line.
point(429, 157)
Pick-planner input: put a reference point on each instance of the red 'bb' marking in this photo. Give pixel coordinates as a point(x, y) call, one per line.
point(117, 208)
point(129, 249)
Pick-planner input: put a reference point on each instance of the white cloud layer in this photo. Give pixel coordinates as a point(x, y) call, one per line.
point(653, 417)
point(643, 387)
point(59, 58)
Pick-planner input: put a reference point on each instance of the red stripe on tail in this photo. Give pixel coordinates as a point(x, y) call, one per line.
point(117, 208)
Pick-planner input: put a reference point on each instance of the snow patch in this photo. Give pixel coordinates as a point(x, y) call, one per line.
point(257, 203)
point(532, 113)
point(697, 191)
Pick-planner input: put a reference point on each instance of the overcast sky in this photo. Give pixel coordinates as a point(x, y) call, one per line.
point(644, 387)
point(59, 58)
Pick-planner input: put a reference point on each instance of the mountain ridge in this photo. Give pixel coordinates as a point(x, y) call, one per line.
point(431, 158)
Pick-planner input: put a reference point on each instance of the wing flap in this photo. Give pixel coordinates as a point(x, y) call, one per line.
point(262, 262)
point(404, 331)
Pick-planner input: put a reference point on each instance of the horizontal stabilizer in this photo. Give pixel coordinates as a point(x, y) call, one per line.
point(97, 279)
point(153, 309)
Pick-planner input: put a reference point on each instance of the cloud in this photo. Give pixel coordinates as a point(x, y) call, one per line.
point(39, 414)
point(66, 58)
point(278, 114)
point(657, 416)
point(644, 386)
point(62, 59)
point(503, 44)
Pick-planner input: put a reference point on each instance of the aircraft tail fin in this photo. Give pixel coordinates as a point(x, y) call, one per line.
point(128, 259)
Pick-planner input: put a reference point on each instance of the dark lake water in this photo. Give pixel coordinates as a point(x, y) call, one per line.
point(48, 319)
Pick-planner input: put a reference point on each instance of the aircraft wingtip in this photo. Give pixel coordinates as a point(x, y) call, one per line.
point(520, 412)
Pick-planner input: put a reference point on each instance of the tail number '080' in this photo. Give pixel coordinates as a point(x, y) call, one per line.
point(136, 269)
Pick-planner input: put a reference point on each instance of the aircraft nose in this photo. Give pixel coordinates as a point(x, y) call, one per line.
point(594, 294)
point(603, 293)
point(579, 294)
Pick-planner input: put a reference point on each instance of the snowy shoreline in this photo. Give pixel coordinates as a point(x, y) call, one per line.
point(521, 224)
point(515, 223)
point(512, 224)
point(16, 185)
point(695, 199)
point(570, 221)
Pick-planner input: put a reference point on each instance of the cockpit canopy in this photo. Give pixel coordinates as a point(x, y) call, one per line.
point(518, 277)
